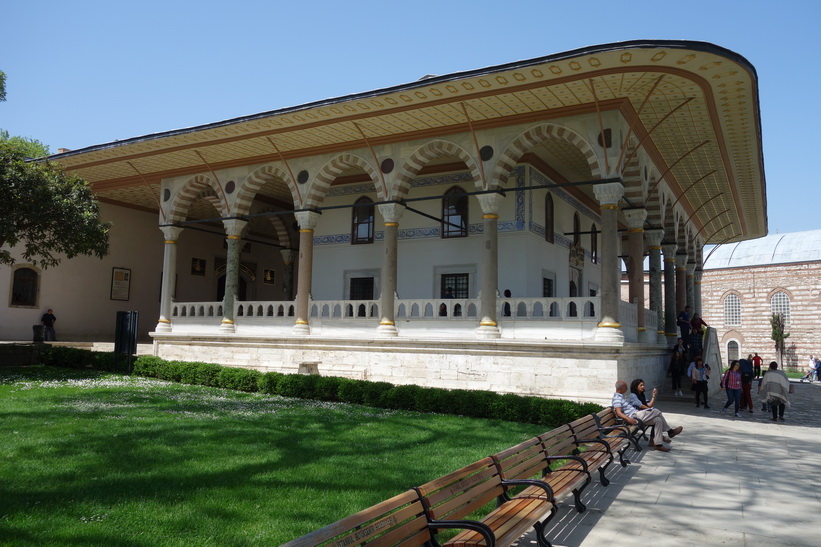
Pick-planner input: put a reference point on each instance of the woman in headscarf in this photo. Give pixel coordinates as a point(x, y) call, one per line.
point(776, 387)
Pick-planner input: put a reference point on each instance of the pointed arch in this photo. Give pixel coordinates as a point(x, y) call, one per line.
point(335, 167)
point(197, 187)
point(531, 137)
point(429, 151)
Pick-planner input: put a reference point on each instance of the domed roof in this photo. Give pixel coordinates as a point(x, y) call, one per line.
point(771, 249)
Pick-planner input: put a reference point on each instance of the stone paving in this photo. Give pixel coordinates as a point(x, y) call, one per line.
point(727, 481)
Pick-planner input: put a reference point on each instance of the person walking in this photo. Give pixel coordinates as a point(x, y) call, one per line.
point(757, 365)
point(731, 384)
point(776, 387)
point(747, 374)
point(683, 322)
point(48, 321)
point(676, 370)
point(699, 376)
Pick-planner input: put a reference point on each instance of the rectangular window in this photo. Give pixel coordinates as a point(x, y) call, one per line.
point(455, 285)
point(362, 288)
point(547, 288)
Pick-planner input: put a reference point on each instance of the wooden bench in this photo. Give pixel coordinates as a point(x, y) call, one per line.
point(400, 520)
point(451, 499)
point(598, 450)
point(610, 424)
point(549, 458)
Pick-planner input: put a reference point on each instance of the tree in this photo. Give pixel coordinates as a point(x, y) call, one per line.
point(2, 86)
point(48, 211)
point(778, 335)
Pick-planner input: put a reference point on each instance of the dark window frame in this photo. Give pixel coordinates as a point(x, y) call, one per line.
point(549, 219)
point(454, 213)
point(362, 216)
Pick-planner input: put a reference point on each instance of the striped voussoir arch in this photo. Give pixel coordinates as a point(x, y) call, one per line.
point(635, 188)
point(335, 167)
point(195, 188)
point(428, 152)
point(655, 207)
point(536, 135)
point(256, 180)
point(283, 237)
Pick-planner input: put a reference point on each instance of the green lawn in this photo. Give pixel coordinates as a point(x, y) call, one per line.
point(95, 458)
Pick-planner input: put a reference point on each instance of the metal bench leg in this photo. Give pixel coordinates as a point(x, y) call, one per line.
point(580, 507)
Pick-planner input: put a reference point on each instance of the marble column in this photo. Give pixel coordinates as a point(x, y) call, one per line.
point(391, 213)
point(609, 328)
point(670, 314)
point(169, 276)
point(681, 282)
point(635, 272)
point(691, 293)
point(307, 222)
point(288, 274)
point(233, 229)
point(697, 290)
point(654, 238)
point(490, 204)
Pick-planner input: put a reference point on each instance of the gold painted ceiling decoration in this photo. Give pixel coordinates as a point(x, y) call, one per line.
point(692, 105)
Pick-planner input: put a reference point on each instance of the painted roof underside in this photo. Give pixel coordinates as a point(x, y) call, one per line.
point(772, 249)
point(694, 106)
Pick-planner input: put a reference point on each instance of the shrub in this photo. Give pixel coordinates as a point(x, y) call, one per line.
point(297, 385)
point(204, 374)
point(402, 397)
point(148, 365)
point(240, 379)
point(269, 382)
point(327, 388)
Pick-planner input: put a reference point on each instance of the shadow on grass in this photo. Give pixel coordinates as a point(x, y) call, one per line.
point(170, 463)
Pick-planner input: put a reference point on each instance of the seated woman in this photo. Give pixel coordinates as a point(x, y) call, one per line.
point(638, 399)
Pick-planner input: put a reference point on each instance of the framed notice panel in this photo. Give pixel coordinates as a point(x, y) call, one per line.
point(120, 283)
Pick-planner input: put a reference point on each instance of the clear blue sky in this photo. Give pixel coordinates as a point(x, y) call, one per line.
point(88, 72)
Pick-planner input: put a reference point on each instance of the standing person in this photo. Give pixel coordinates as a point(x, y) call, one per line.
point(776, 386)
point(810, 370)
point(694, 343)
point(48, 321)
point(747, 374)
point(697, 323)
point(652, 416)
point(699, 376)
point(757, 365)
point(731, 383)
point(676, 370)
point(683, 322)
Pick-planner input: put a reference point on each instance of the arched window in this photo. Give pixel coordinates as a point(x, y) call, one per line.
point(780, 303)
point(549, 218)
point(577, 229)
point(455, 213)
point(732, 351)
point(594, 244)
point(732, 311)
point(24, 287)
point(362, 221)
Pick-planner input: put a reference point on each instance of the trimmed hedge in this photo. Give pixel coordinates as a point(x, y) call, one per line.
point(463, 402)
point(474, 404)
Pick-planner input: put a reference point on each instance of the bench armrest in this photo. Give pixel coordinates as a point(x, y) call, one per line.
point(532, 482)
point(569, 457)
point(480, 527)
point(590, 441)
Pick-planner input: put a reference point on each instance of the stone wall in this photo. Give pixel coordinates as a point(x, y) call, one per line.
point(755, 287)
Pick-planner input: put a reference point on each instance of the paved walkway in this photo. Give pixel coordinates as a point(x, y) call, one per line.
point(727, 481)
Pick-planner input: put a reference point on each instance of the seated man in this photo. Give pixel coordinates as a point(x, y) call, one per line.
point(651, 416)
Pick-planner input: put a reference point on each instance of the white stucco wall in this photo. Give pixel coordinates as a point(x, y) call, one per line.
point(78, 290)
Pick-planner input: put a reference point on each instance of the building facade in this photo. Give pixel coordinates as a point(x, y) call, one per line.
point(464, 230)
point(745, 283)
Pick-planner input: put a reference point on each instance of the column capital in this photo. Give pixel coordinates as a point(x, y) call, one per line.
point(307, 219)
point(635, 218)
point(654, 237)
point(234, 227)
point(681, 260)
point(669, 249)
point(391, 212)
point(490, 203)
point(171, 233)
point(691, 268)
point(609, 193)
